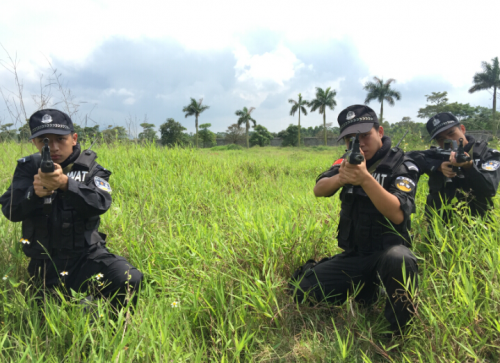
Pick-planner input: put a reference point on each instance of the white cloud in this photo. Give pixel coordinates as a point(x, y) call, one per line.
point(277, 66)
point(120, 92)
point(129, 96)
point(409, 41)
point(397, 39)
point(129, 101)
point(259, 75)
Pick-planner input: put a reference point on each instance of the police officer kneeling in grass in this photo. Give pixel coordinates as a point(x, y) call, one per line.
point(60, 213)
point(378, 197)
point(473, 182)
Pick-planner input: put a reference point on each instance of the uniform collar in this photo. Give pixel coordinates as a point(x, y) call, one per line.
point(470, 143)
point(386, 146)
point(74, 155)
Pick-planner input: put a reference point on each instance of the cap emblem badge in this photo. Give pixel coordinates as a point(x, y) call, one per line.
point(46, 119)
point(350, 115)
point(436, 121)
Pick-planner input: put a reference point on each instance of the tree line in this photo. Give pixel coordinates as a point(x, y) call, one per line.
point(173, 133)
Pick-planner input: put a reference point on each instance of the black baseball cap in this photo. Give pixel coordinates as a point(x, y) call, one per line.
point(441, 122)
point(50, 121)
point(356, 118)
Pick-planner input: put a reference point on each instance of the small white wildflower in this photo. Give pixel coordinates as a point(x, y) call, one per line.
point(99, 276)
point(24, 241)
point(175, 304)
point(5, 277)
point(64, 273)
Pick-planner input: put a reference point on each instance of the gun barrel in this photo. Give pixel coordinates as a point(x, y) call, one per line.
point(354, 155)
point(47, 165)
point(461, 156)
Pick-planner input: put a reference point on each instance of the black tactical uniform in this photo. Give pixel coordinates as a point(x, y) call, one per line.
point(479, 183)
point(476, 188)
point(65, 246)
point(374, 248)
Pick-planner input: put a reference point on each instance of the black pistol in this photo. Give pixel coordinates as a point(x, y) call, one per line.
point(353, 156)
point(46, 166)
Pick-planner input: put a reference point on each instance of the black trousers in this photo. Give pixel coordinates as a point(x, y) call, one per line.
point(96, 271)
point(333, 279)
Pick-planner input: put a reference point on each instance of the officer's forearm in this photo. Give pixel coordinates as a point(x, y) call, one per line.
point(385, 202)
point(327, 186)
point(482, 183)
point(24, 204)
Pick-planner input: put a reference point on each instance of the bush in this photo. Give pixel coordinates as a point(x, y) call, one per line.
point(260, 136)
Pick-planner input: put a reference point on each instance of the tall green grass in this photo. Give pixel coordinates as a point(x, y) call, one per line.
point(217, 234)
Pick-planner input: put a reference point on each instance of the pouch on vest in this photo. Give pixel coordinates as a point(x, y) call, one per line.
point(41, 241)
point(86, 159)
point(364, 244)
point(377, 238)
point(79, 239)
point(344, 230)
point(66, 239)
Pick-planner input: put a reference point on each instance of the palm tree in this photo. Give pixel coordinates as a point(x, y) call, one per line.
point(381, 92)
point(195, 108)
point(323, 100)
point(245, 118)
point(298, 106)
point(489, 78)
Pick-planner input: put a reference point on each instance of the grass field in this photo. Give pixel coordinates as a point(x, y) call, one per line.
point(217, 233)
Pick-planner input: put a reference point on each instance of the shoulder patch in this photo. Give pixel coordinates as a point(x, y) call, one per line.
point(404, 184)
point(338, 162)
point(102, 184)
point(411, 166)
point(490, 165)
point(24, 160)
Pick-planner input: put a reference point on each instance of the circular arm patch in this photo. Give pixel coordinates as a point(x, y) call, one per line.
point(404, 184)
point(102, 184)
point(491, 165)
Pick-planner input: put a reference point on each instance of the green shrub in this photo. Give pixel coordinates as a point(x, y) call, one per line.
point(219, 148)
point(234, 147)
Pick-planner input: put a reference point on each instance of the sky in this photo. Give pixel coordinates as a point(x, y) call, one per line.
point(125, 62)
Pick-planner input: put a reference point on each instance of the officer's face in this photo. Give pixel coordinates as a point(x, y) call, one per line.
point(455, 133)
point(61, 146)
point(370, 142)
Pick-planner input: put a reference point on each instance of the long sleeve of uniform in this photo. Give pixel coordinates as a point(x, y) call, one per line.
point(92, 197)
point(404, 187)
point(20, 201)
point(334, 170)
point(483, 177)
point(425, 161)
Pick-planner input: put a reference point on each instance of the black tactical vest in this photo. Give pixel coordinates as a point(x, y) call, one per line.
point(362, 227)
point(62, 233)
